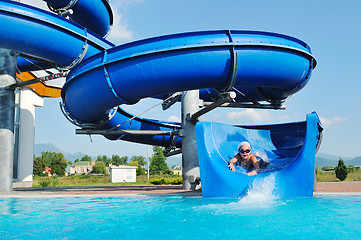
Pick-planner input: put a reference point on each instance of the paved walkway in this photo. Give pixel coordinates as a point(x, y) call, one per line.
point(328, 188)
point(338, 187)
point(101, 191)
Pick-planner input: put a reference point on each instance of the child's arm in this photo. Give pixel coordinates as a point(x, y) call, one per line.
point(256, 167)
point(232, 162)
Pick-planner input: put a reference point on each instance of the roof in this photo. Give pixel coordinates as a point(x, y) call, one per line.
point(80, 163)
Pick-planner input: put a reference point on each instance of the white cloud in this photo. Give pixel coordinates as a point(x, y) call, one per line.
point(249, 115)
point(173, 119)
point(120, 32)
point(328, 122)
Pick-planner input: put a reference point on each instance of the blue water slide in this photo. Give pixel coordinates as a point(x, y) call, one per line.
point(258, 66)
point(270, 67)
point(99, 11)
point(290, 148)
point(46, 37)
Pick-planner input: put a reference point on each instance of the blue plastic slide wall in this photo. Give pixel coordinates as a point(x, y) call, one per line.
point(290, 148)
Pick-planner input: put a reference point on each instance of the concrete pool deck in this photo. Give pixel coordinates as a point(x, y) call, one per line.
point(322, 188)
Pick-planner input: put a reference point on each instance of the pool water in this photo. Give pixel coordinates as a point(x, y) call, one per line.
point(172, 217)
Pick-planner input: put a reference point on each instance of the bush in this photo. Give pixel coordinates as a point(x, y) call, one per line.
point(162, 181)
point(83, 176)
point(99, 168)
point(158, 181)
point(55, 180)
point(341, 170)
point(177, 181)
point(44, 183)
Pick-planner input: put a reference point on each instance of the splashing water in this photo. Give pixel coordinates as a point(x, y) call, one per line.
point(260, 191)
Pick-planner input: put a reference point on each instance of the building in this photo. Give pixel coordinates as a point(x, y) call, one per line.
point(81, 167)
point(176, 170)
point(48, 171)
point(123, 174)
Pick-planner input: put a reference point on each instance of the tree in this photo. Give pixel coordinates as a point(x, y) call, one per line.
point(99, 168)
point(116, 160)
point(86, 158)
point(140, 159)
point(141, 163)
point(58, 164)
point(140, 170)
point(123, 160)
point(39, 166)
point(157, 163)
point(55, 161)
point(341, 170)
point(104, 159)
point(48, 157)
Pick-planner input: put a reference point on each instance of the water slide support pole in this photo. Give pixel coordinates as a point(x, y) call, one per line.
point(7, 113)
point(190, 166)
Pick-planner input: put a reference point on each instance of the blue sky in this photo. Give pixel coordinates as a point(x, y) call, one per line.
point(330, 28)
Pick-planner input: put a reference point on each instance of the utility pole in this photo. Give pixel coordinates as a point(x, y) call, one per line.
point(148, 161)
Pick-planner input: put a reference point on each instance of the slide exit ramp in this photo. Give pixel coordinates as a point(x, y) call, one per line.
point(290, 148)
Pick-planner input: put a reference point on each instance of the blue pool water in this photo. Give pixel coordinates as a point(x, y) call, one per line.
point(172, 217)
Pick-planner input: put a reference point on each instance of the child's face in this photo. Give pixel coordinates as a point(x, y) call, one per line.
point(245, 151)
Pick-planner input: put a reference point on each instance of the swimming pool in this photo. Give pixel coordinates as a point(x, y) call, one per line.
point(177, 217)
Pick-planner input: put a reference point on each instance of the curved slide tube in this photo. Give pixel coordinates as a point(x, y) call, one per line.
point(44, 36)
point(269, 67)
point(290, 148)
point(98, 11)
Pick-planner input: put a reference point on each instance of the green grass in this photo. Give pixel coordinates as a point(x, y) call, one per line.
point(330, 176)
point(85, 180)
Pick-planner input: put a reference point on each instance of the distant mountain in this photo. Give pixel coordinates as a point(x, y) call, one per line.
point(333, 161)
point(322, 162)
point(355, 161)
point(39, 148)
point(331, 157)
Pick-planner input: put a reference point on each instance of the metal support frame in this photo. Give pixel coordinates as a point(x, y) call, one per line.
point(176, 97)
point(80, 56)
point(223, 99)
point(190, 169)
point(37, 80)
point(248, 105)
point(64, 11)
point(83, 125)
point(109, 81)
point(172, 153)
point(171, 149)
point(7, 113)
point(123, 132)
